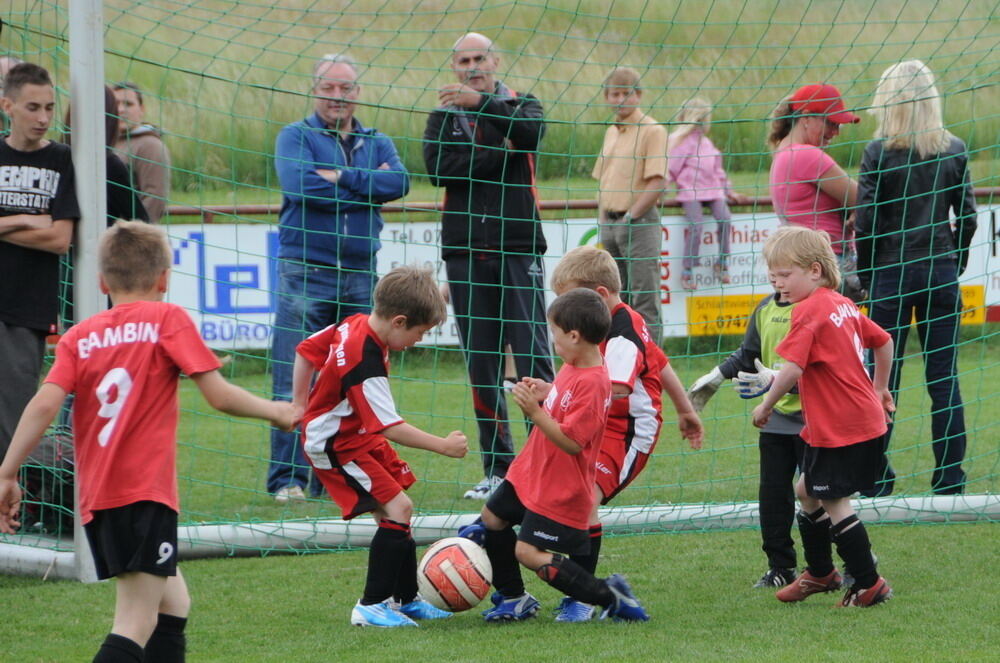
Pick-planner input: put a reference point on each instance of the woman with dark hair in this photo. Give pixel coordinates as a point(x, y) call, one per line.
point(809, 188)
point(123, 198)
point(913, 176)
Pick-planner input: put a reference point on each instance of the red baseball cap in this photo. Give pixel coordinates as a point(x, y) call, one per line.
point(820, 99)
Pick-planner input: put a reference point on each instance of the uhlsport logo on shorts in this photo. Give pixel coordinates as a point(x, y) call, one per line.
point(545, 535)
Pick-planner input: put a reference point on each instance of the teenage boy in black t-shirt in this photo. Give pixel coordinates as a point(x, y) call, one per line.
point(37, 211)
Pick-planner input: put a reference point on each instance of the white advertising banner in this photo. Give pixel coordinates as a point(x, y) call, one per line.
point(224, 275)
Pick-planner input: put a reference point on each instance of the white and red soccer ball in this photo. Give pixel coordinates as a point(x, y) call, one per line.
point(454, 574)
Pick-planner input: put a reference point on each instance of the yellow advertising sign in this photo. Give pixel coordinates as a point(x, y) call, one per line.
point(729, 314)
point(721, 314)
point(973, 304)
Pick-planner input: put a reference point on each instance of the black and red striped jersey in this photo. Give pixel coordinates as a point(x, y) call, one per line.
point(635, 360)
point(350, 404)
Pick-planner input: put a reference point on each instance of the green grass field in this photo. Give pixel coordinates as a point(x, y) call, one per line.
point(696, 587)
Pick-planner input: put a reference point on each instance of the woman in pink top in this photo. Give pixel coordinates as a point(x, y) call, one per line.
point(808, 188)
point(695, 166)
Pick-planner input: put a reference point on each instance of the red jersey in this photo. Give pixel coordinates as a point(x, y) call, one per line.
point(350, 404)
point(827, 339)
point(549, 481)
point(634, 360)
point(123, 365)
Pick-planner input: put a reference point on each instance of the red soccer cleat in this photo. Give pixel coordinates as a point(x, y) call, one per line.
point(880, 592)
point(807, 584)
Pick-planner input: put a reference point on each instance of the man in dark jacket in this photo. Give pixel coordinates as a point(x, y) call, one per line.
point(335, 175)
point(480, 145)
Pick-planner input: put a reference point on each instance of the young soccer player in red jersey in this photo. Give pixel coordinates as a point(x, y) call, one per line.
point(123, 365)
point(845, 414)
point(350, 418)
point(639, 372)
point(548, 490)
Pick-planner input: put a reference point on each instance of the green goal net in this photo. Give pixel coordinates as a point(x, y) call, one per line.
point(220, 79)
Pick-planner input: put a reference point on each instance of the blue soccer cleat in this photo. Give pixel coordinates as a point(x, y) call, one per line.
point(496, 598)
point(571, 610)
point(626, 607)
point(421, 609)
point(516, 609)
point(474, 531)
point(382, 615)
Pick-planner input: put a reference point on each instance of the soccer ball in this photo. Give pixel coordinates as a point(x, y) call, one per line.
point(454, 574)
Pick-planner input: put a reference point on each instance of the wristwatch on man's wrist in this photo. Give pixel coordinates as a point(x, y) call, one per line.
point(627, 217)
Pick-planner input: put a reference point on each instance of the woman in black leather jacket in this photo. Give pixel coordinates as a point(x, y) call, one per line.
point(914, 175)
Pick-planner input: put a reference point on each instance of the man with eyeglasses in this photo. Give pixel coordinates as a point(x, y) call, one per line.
point(335, 174)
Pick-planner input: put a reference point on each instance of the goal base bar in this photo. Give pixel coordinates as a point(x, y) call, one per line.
point(46, 559)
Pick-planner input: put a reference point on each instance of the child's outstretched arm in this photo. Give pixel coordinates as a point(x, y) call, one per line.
point(227, 397)
point(302, 375)
point(688, 421)
point(526, 396)
point(786, 378)
point(883, 362)
point(35, 419)
point(454, 445)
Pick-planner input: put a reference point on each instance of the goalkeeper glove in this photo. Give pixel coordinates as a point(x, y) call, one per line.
point(474, 531)
point(752, 385)
point(704, 388)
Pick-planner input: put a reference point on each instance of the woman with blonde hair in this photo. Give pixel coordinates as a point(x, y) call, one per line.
point(911, 252)
point(695, 166)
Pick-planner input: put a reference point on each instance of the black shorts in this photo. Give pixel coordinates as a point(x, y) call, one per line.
point(536, 529)
point(136, 537)
point(833, 473)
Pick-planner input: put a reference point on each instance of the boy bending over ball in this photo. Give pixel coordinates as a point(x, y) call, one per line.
point(349, 420)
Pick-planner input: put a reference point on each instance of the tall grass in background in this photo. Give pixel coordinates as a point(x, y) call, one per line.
point(223, 76)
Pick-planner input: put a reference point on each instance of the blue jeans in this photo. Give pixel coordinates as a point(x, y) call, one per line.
point(927, 290)
point(310, 298)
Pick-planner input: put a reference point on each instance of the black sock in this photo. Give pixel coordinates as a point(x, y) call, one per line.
point(589, 561)
point(386, 558)
point(168, 642)
point(815, 530)
point(406, 583)
point(118, 649)
point(855, 549)
point(576, 582)
point(506, 571)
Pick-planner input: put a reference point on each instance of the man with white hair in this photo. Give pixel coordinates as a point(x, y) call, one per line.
point(480, 144)
point(335, 175)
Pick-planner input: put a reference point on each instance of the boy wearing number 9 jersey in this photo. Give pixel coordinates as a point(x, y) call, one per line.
point(123, 365)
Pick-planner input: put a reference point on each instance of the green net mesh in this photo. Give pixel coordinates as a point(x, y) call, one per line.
point(221, 78)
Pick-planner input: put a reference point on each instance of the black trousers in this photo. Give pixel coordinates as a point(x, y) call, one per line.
point(780, 456)
point(498, 301)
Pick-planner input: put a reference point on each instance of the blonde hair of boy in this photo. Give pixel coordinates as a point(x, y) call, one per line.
point(587, 267)
point(695, 113)
point(623, 77)
point(132, 255)
point(907, 106)
point(801, 247)
point(413, 292)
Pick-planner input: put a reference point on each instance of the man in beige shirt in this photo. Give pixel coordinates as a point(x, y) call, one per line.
point(140, 145)
point(632, 169)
